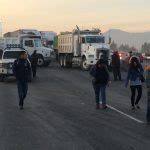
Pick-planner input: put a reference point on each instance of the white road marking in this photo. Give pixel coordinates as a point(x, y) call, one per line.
point(122, 113)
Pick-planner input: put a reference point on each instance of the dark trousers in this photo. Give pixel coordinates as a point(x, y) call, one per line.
point(100, 89)
point(137, 88)
point(34, 68)
point(22, 91)
point(117, 73)
point(148, 106)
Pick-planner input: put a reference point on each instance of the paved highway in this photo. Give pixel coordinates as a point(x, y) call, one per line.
point(60, 114)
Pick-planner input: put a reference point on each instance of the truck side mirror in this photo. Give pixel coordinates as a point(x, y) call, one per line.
point(83, 40)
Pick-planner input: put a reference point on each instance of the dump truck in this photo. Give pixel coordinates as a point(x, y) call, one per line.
point(81, 47)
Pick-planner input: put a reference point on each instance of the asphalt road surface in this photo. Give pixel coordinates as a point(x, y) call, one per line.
point(60, 114)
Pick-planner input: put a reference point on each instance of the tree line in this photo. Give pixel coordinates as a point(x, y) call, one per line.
point(145, 48)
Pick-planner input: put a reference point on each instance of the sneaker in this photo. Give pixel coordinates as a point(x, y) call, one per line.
point(97, 106)
point(21, 107)
point(148, 122)
point(104, 106)
point(137, 106)
point(133, 108)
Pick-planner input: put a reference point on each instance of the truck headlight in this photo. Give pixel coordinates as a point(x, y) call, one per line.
point(10, 65)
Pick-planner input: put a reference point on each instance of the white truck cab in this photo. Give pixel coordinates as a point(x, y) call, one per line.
point(93, 48)
point(9, 55)
point(44, 54)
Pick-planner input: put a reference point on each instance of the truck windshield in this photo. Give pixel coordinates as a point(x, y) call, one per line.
point(38, 43)
point(11, 55)
point(95, 39)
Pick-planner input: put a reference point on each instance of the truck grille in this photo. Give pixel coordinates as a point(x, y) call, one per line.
point(10, 66)
point(98, 53)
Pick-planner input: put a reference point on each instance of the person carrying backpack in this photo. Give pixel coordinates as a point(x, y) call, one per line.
point(100, 75)
point(135, 77)
point(22, 72)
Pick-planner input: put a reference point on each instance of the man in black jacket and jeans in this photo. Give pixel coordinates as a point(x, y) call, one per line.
point(116, 66)
point(100, 76)
point(34, 61)
point(22, 72)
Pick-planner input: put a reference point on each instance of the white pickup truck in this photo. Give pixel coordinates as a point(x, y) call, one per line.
point(8, 56)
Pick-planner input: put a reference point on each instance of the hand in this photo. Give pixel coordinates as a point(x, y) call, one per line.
point(109, 82)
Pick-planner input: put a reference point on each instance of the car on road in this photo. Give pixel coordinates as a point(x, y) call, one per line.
point(8, 56)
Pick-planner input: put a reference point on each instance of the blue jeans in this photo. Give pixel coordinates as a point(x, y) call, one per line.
point(22, 91)
point(100, 89)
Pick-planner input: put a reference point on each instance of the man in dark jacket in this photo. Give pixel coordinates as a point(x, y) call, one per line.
point(116, 66)
point(101, 78)
point(34, 60)
point(22, 71)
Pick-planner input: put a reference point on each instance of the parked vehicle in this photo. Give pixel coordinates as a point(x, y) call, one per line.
point(8, 56)
point(139, 56)
point(82, 48)
point(30, 41)
point(48, 38)
point(146, 56)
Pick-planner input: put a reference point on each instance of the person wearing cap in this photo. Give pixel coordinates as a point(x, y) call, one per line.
point(22, 71)
point(100, 75)
point(34, 61)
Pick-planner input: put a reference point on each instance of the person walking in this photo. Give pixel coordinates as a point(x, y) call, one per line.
point(135, 77)
point(116, 66)
point(100, 75)
point(34, 61)
point(147, 68)
point(22, 71)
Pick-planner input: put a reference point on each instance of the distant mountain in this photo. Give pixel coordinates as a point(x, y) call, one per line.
point(132, 39)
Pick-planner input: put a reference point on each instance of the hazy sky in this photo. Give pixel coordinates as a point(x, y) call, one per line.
point(62, 15)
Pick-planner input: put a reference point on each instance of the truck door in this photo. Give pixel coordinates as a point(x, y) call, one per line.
point(83, 45)
point(28, 44)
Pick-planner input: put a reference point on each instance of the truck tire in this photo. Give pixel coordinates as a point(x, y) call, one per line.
point(46, 64)
point(69, 61)
point(65, 61)
point(84, 65)
point(40, 61)
point(2, 78)
point(61, 60)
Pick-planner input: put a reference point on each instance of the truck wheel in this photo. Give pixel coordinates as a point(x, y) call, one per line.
point(40, 61)
point(84, 65)
point(2, 77)
point(65, 61)
point(61, 60)
point(46, 64)
point(69, 61)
